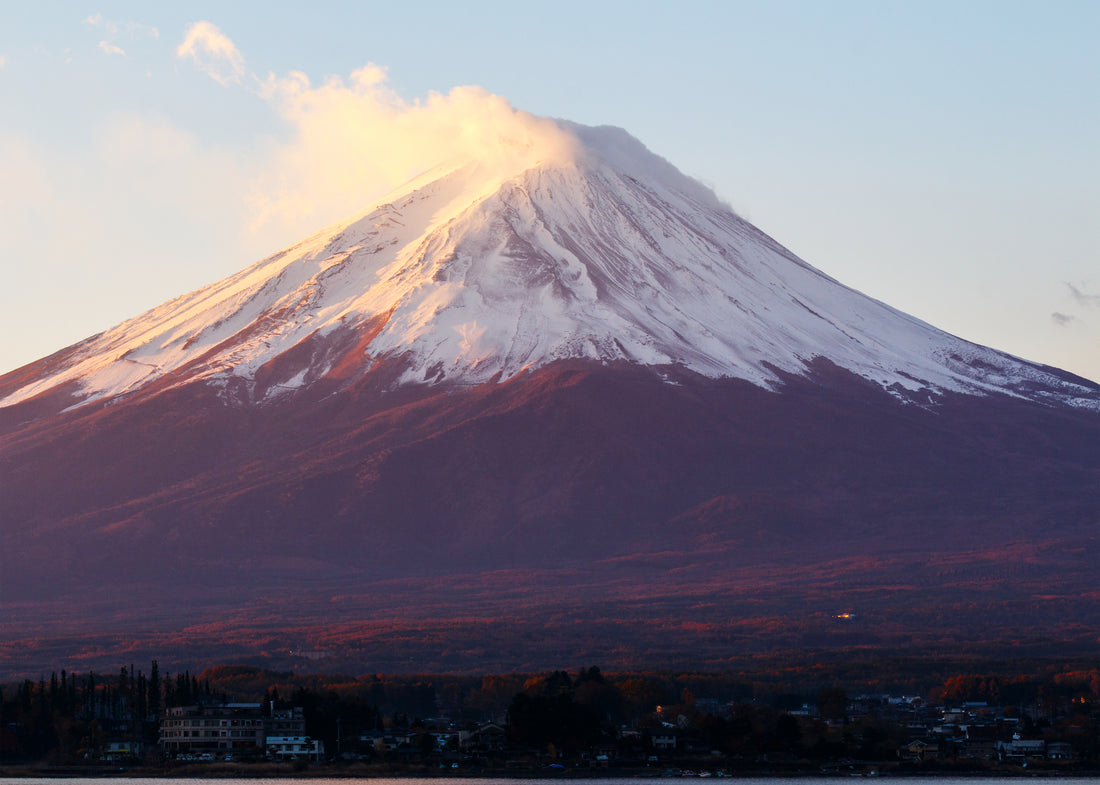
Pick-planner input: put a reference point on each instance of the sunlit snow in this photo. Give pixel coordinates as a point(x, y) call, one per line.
point(603, 252)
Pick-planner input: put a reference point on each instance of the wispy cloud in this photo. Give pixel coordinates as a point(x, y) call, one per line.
point(3, 61)
point(132, 29)
point(112, 30)
point(111, 49)
point(1082, 297)
point(1062, 319)
point(213, 52)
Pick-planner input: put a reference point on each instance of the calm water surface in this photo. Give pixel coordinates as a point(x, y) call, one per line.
point(975, 780)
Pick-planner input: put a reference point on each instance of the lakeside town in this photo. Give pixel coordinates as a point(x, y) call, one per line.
point(553, 723)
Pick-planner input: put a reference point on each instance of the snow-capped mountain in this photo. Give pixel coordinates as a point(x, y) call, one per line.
point(554, 403)
point(478, 271)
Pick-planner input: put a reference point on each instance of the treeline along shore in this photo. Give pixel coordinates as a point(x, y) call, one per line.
point(901, 717)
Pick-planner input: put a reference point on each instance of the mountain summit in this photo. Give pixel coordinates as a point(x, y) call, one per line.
point(580, 244)
point(554, 406)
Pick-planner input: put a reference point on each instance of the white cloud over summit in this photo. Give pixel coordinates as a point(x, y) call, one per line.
point(354, 139)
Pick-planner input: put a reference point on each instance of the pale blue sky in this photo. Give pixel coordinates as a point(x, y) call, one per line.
point(940, 156)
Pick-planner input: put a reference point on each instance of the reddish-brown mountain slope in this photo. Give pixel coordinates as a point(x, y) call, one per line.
point(515, 415)
point(175, 504)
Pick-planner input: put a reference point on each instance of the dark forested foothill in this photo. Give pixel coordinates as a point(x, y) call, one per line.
point(82, 716)
point(1041, 714)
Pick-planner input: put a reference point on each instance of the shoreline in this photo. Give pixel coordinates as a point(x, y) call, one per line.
point(362, 771)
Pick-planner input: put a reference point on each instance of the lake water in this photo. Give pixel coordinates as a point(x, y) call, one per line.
point(971, 780)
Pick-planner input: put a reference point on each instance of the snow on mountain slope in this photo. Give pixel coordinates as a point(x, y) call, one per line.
point(597, 250)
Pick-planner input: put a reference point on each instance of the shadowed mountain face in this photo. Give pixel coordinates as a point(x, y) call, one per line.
point(579, 412)
point(580, 496)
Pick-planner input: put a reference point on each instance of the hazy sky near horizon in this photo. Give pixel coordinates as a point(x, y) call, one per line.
point(943, 157)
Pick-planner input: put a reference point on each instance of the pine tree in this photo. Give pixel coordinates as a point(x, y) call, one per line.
point(167, 694)
point(142, 698)
point(154, 689)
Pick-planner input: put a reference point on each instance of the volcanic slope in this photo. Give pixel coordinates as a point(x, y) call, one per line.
point(569, 365)
point(475, 272)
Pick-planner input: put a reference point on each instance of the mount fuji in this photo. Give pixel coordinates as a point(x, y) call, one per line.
point(477, 272)
point(563, 383)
